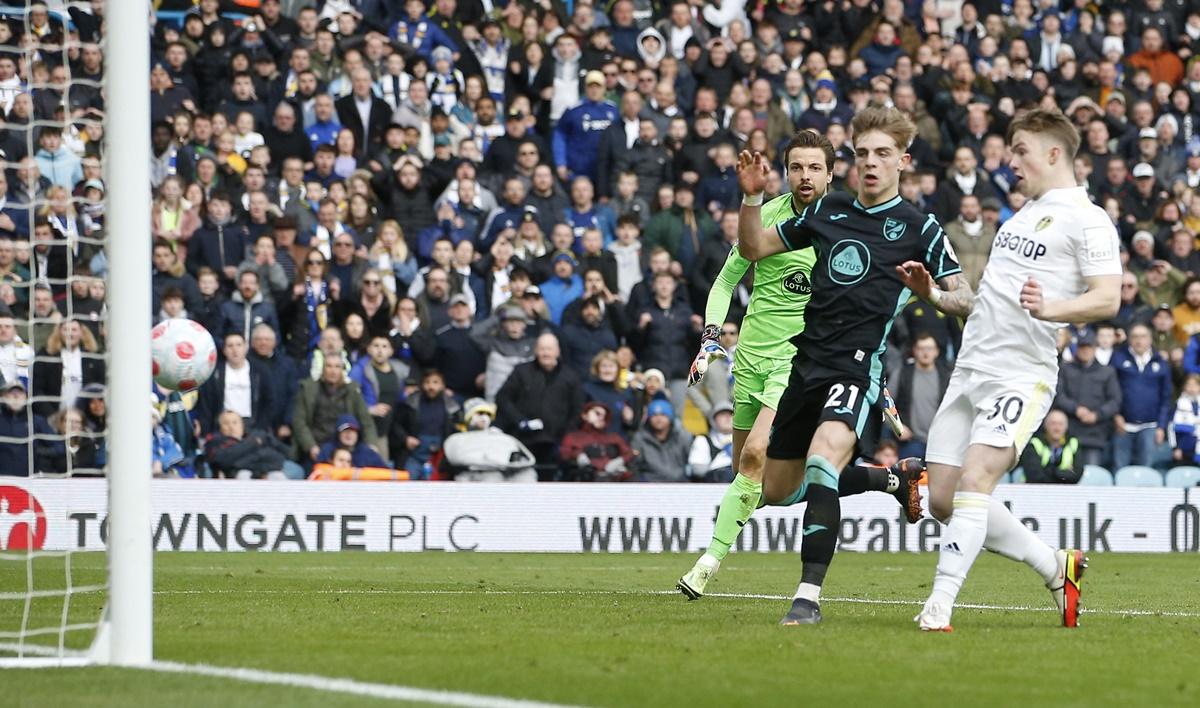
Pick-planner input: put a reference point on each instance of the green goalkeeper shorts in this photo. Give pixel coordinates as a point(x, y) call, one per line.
point(757, 384)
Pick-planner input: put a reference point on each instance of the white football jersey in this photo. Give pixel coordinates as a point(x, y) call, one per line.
point(1059, 240)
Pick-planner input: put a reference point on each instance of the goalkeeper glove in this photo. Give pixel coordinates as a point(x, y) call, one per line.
point(710, 348)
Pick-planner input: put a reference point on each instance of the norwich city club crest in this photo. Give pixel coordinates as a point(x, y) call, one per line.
point(893, 229)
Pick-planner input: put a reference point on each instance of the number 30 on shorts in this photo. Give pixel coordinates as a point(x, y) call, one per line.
point(1009, 408)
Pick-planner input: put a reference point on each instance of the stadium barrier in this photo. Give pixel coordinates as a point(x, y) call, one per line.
point(196, 515)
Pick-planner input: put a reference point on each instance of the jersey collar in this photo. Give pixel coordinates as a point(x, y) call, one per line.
point(878, 207)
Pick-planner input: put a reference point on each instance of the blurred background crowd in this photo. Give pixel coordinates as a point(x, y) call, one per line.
point(405, 221)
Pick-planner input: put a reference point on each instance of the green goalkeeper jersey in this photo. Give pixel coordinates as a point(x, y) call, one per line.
point(782, 288)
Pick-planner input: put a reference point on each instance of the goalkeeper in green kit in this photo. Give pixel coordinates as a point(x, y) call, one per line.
point(762, 365)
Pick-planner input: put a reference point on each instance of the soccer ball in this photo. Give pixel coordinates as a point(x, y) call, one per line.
point(183, 354)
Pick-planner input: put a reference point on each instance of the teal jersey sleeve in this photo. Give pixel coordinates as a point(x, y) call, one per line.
point(795, 233)
point(940, 259)
point(726, 282)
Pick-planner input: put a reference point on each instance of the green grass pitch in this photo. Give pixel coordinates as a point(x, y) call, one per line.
point(602, 630)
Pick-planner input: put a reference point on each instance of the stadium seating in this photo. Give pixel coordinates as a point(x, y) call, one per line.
point(1017, 476)
point(1139, 476)
point(1096, 476)
point(1183, 477)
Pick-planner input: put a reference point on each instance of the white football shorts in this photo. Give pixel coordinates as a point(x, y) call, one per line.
point(984, 409)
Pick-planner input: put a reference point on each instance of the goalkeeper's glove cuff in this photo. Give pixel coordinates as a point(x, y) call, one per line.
point(712, 333)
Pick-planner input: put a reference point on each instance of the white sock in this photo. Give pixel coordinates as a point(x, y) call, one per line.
point(810, 592)
point(1010, 538)
point(962, 539)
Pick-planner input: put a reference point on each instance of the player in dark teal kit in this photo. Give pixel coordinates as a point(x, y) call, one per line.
point(869, 250)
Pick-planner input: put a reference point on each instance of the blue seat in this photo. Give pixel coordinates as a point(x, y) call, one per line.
point(1183, 477)
point(1096, 476)
point(1139, 476)
point(1017, 476)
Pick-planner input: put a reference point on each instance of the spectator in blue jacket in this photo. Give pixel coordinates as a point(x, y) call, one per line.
point(220, 244)
point(348, 436)
point(564, 287)
point(1146, 403)
point(416, 31)
point(584, 213)
point(577, 135)
point(508, 215)
point(15, 424)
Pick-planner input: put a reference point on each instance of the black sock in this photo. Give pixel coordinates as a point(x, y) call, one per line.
point(856, 479)
point(822, 517)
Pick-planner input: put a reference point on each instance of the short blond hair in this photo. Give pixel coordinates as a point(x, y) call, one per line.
point(887, 120)
point(1052, 124)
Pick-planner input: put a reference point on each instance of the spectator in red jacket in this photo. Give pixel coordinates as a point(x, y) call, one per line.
point(592, 453)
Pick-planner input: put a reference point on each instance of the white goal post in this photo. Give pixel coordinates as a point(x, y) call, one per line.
point(124, 633)
point(130, 555)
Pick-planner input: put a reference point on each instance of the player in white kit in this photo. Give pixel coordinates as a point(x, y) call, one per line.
point(1055, 261)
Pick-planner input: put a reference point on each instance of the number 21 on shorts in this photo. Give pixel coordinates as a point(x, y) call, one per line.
point(842, 397)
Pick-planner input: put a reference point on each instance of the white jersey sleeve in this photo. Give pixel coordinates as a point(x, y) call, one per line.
point(1058, 240)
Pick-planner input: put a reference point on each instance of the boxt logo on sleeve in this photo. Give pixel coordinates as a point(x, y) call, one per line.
point(22, 520)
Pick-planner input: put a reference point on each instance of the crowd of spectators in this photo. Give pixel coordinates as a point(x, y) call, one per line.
point(391, 214)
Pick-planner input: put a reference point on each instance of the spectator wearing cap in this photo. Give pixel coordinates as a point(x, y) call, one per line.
point(682, 229)
point(592, 452)
point(1090, 396)
point(1140, 203)
point(18, 427)
point(420, 34)
point(1146, 398)
point(348, 436)
point(508, 215)
point(578, 131)
point(825, 107)
point(1153, 152)
point(1162, 330)
point(662, 447)
point(711, 456)
point(461, 359)
point(502, 151)
point(485, 453)
point(538, 402)
point(506, 339)
point(563, 287)
point(589, 328)
point(1161, 283)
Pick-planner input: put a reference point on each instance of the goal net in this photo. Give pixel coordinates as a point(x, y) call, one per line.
point(74, 360)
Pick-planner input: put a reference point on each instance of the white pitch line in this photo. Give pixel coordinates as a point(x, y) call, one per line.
point(350, 686)
point(727, 595)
